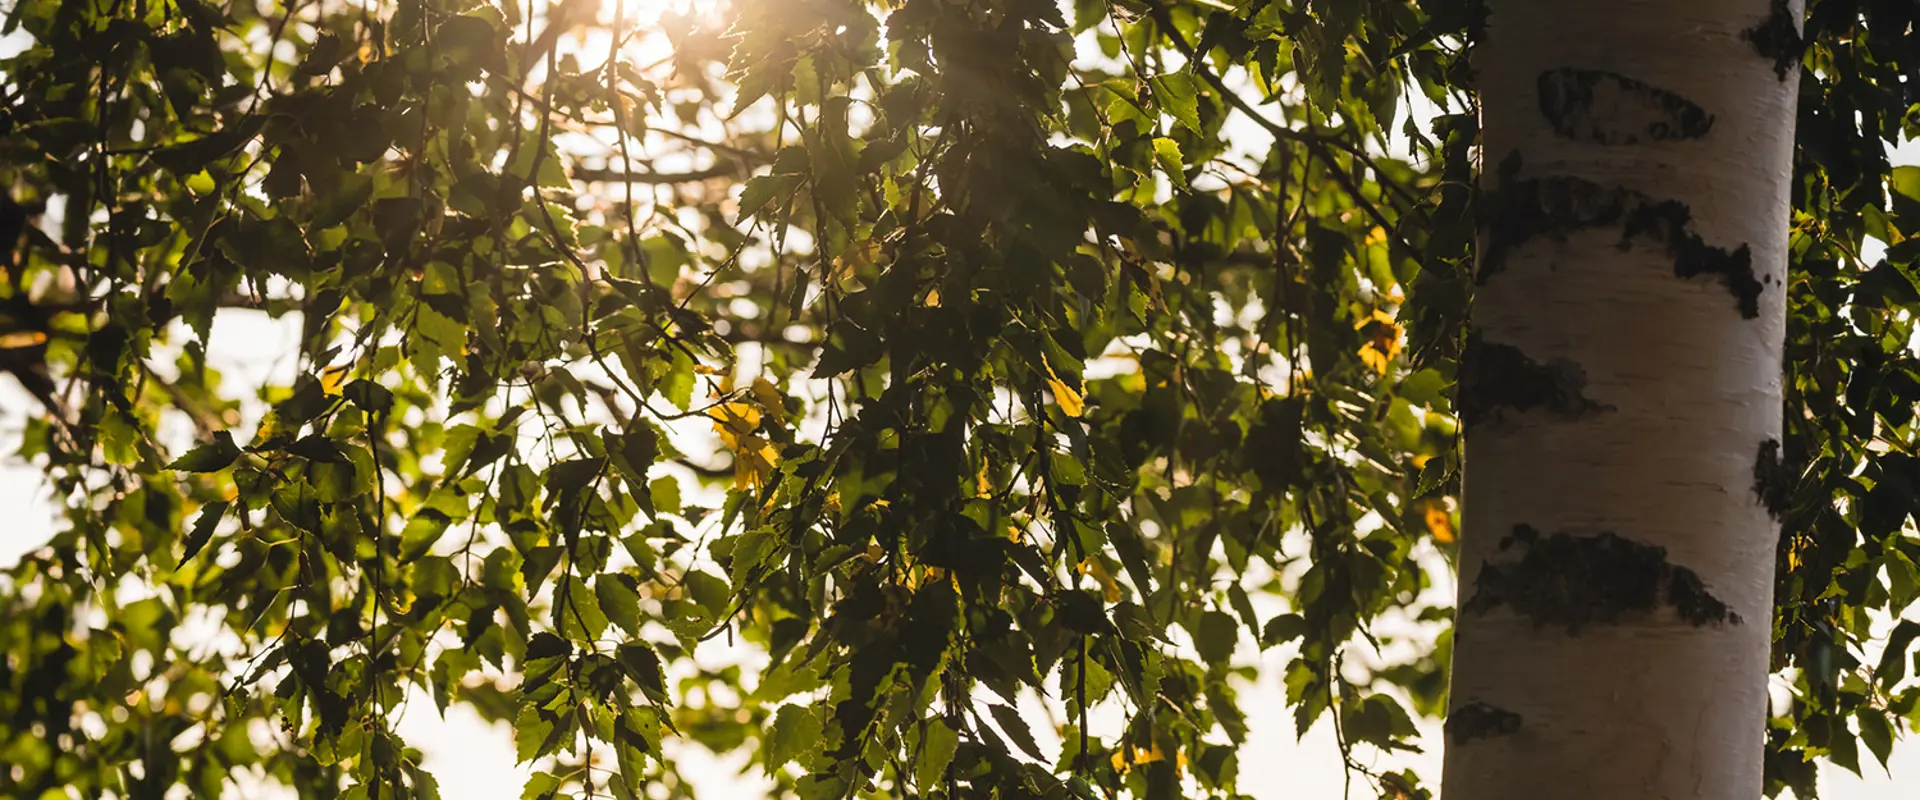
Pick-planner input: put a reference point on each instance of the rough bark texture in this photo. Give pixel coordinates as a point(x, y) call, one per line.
point(1616, 567)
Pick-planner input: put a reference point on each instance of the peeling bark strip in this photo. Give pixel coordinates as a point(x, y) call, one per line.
point(1496, 377)
point(1579, 581)
point(1778, 38)
point(1772, 479)
point(1560, 205)
point(1589, 105)
point(1478, 720)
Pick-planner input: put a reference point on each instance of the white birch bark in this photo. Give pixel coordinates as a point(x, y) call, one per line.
point(1617, 564)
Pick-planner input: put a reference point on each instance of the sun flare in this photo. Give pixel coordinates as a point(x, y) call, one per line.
point(647, 13)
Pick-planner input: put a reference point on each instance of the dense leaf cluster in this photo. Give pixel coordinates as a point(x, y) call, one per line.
point(942, 352)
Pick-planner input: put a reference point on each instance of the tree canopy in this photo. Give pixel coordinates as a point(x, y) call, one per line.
point(945, 351)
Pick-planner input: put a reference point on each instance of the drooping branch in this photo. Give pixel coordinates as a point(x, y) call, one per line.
point(1318, 146)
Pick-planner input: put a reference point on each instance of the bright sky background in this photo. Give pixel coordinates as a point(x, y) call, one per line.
point(474, 760)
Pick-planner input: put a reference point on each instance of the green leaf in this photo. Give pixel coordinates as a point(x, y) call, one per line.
point(1132, 548)
point(1877, 734)
point(1905, 181)
point(1016, 729)
point(619, 600)
point(576, 610)
point(937, 746)
point(545, 645)
point(535, 734)
point(1243, 606)
point(426, 528)
point(1215, 636)
point(763, 189)
point(637, 734)
point(397, 220)
point(1843, 748)
point(439, 328)
point(540, 786)
point(750, 551)
point(337, 206)
point(665, 491)
point(1166, 153)
point(555, 218)
point(1893, 660)
point(317, 448)
point(425, 786)
point(1424, 388)
point(1903, 580)
point(1282, 629)
point(795, 731)
point(642, 664)
point(369, 396)
point(210, 516)
point(574, 475)
point(1178, 95)
point(211, 457)
point(632, 453)
point(708, 590)
point(539, 564)
point(435, 577)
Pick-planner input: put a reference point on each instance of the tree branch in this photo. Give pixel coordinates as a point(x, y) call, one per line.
point(1315, 144)
point(592, 175)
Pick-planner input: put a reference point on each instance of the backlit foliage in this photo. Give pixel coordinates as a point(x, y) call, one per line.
point(942, 351)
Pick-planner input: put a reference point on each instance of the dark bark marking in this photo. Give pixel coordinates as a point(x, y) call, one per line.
point(1578, 581)
point(1478, 720)
point(1560, 205)
point(1772, 479)
point(1778, 38)
point(1496, 377)
point(1590, 105)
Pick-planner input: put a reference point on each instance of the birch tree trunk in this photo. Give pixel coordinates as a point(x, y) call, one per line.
point(1621, 390)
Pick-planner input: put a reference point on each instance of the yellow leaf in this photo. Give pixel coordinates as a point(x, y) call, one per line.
point(16, 339)
point(1128, 756)
point(1377, 235)
point(270, 428)
point(769, 398)
point(753, 463)
point(859, 254)
point(734, 421)
point(753, 456)
point(1068, 397)
point(1374, 359)
point(1439, 521)
point(1383, 340)
point(332, 379)
point(1108, 587)
point(1378, 316)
